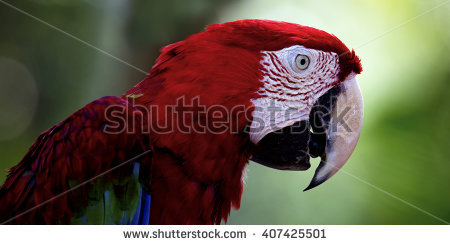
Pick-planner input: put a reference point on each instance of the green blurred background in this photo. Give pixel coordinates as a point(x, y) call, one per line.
point(401, 161)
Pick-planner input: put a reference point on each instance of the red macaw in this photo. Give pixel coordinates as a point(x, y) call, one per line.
point(173, 149)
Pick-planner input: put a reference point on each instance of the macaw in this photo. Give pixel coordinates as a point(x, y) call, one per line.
point(174, 148)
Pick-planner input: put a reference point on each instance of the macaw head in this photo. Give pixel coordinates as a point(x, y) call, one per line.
point(295, 84)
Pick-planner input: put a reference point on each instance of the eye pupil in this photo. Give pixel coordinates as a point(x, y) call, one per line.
point(302, 61)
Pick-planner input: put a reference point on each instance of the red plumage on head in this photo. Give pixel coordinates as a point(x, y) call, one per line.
point(197, 177)
point(267, 35)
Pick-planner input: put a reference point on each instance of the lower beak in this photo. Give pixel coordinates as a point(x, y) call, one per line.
point(341, 132)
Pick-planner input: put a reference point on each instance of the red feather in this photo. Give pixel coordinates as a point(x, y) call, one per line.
point(77, 150)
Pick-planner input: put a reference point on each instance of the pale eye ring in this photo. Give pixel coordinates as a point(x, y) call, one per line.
point(302, 61)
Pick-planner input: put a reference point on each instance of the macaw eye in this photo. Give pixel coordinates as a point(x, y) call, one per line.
point(302, 61)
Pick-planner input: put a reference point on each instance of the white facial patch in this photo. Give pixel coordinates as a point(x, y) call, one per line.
point(289, 92)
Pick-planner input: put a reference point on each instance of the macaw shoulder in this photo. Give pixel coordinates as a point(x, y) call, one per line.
point(70, 164)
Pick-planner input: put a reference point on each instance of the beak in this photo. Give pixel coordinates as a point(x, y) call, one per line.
point(331, 133)
point(344, 116)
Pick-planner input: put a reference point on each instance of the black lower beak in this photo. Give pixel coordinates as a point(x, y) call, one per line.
point(285, 149)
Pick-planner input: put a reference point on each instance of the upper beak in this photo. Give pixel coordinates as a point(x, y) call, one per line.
point(341, 131)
